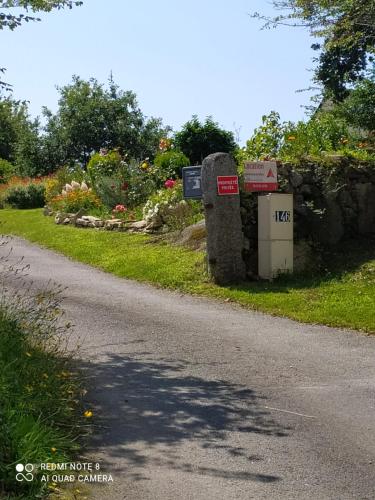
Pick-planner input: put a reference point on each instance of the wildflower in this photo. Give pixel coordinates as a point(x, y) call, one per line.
point(103, 151)
point(75, 185)
point(119, 208)
point(53, 449)
point(84, 186)
point(291, 138)
point(88, 414)
point(68, 188)
point(144, 165)
point(169, 184)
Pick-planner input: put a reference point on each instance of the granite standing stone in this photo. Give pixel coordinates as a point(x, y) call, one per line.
point(223, 222)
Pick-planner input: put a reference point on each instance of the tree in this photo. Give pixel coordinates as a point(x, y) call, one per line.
point(13, 116)
point(91, 117)
point(347, 30)
point(358, 108)
point(12, 21)
point(197, 140)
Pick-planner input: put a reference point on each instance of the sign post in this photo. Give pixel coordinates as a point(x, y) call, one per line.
point(261, 176)
point(192, 182)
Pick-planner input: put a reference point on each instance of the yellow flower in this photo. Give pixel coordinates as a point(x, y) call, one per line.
point(53, 449)
point(291, 138)
point(144, 166)
point(88, 414)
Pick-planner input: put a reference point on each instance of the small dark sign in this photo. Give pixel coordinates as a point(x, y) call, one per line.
point(192, 182)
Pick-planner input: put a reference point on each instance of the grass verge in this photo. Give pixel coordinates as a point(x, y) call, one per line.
point(343, 296)
point(40, 405)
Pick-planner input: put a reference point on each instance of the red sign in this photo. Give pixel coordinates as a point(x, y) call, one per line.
point(261, 176)
point(227, 184)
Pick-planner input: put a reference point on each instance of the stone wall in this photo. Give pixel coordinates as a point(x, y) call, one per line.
point(332, 202)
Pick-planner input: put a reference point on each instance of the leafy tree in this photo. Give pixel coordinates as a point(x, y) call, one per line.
point(347, 30)
point(197, 140)
point(13, 117)
point(91, 117)
point(358, 108)
point(12, 21)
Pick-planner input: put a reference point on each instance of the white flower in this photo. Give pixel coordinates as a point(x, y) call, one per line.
point(76, 185)
point(63, 192)
point(84, 186)
point(68, 188)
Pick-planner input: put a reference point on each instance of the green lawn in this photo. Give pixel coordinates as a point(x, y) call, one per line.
point(344, 296)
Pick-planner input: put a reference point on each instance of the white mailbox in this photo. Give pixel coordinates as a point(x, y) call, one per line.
point(275, 235)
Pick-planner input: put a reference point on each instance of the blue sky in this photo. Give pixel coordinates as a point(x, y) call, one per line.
point(201, 57)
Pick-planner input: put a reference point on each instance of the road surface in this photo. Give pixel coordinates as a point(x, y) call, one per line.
point(197, 399)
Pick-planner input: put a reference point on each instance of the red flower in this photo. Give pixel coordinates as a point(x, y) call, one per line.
point(169, 184)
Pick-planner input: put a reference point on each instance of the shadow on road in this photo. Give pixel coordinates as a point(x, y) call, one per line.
point(146, 410)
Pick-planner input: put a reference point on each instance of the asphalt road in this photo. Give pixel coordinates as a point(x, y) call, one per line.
point(198, 399)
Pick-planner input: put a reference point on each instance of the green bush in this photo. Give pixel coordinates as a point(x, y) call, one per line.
point(6, 171)
point(26, 196)
point(104, 164)
point(197, 140)
point(129, 185)
point(168, 165)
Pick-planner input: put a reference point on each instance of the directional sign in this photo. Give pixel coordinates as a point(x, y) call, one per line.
point(191, 180)
point(227, 184)
point(261, 176)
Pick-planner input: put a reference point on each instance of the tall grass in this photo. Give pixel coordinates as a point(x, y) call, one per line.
point(39, 390)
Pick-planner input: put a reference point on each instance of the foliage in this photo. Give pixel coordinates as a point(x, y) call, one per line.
point(358, 109)
point(6, 171)
point(118, 182)
point(90, 117)
point(29, 195)
point(168, 165)
point(74, 201)
point(39, 415)
point(197, 140)
point(266, 140)
point(323, 133)
point(104, 163)
point(168, 206)
point(347, 31)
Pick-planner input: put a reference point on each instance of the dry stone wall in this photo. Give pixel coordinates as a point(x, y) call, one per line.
point(332, 203)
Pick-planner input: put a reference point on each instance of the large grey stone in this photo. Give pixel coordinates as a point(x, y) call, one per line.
point(223, 222)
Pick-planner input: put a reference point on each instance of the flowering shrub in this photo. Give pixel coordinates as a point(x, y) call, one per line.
point(167, 206)
point(74, 200)
point(104, 163)
point(168, 165)
point(324, 133)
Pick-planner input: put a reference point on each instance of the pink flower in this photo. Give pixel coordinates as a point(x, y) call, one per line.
point(169, 184)
point(119, 208)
